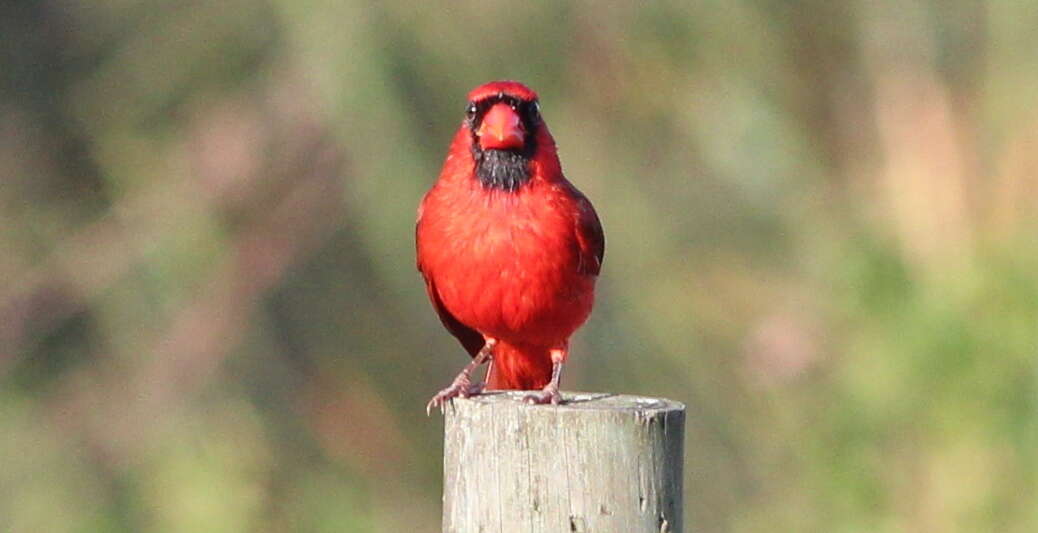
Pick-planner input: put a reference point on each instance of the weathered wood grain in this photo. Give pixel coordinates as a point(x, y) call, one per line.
point(599, 463)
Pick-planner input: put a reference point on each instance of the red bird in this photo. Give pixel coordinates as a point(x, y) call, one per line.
point(509, 249)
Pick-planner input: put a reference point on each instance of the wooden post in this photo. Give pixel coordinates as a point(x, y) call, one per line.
point(597, 463)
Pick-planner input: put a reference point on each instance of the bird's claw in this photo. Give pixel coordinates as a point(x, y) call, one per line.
point(549, 394)
point(461, 387)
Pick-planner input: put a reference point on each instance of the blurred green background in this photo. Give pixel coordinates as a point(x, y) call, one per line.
point(821, 222)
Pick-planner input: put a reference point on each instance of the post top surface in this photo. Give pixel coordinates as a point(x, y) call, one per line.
point(594, 401)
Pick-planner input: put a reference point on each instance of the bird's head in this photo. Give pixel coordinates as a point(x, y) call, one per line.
point(502, 115)
point(504, 123)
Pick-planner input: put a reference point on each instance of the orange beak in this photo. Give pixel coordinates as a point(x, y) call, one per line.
point(501, 129)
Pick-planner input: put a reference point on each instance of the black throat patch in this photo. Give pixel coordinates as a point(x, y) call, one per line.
point(506, 170)
point(502, 169)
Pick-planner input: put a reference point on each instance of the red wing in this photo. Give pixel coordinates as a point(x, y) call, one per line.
point(590, 237)
point(469, 338)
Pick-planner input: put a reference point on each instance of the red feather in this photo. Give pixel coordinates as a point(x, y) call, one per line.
point(514, 263)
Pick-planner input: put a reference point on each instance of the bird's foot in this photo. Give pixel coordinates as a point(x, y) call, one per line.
point(461, 387)
point(549, 394)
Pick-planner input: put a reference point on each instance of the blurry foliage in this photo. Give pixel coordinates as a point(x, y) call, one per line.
point(821, 222)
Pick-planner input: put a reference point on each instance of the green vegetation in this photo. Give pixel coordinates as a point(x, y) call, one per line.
point(820, 222)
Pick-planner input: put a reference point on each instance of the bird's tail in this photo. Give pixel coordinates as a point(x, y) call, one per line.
point(519, 366)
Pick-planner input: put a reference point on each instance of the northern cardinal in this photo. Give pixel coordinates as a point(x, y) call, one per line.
point(509, 249)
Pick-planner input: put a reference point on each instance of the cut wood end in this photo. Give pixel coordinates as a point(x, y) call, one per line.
point(596, 401)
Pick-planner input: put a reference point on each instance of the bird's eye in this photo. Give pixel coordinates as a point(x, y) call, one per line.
point(533, 110)
point(471, 110)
